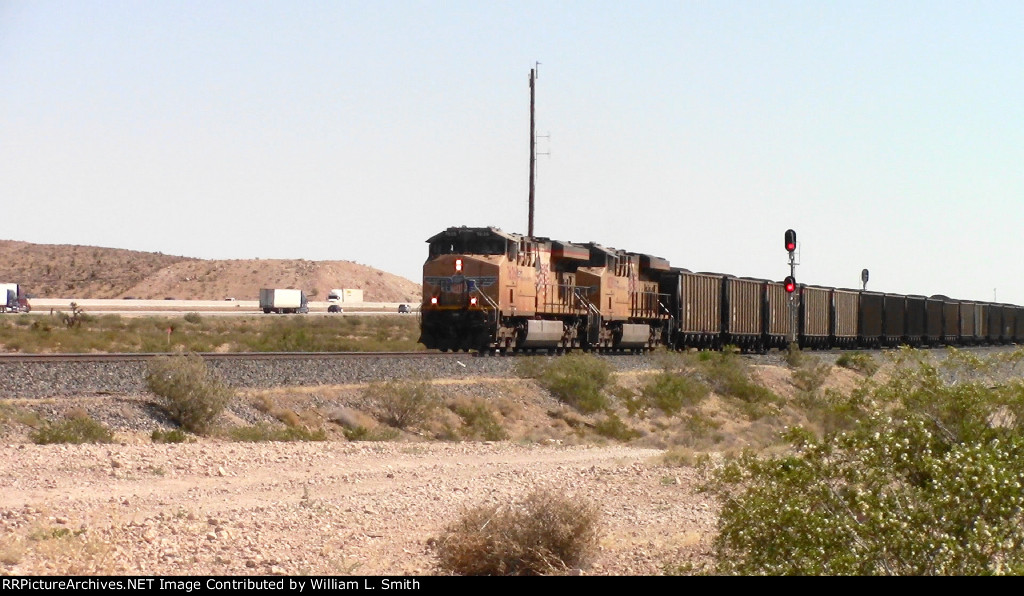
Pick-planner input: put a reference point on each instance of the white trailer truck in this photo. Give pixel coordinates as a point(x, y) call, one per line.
point(12, 299)
point(345, 295)
point(283, 301)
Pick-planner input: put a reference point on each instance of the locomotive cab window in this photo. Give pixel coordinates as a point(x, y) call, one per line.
point(471, 246)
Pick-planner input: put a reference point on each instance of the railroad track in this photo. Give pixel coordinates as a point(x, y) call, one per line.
point(214, 356)
point(46, 375)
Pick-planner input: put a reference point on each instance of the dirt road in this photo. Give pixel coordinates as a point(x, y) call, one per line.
point(321, 508)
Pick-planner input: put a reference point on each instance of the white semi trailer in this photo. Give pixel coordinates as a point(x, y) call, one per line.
point(283, 301)
point(12, 299)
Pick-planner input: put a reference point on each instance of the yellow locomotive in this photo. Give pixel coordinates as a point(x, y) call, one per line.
point(485, 289)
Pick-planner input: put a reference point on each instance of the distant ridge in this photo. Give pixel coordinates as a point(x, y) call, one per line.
point(74, 271)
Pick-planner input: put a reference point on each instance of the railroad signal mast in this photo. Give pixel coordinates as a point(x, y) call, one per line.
point(790, 285)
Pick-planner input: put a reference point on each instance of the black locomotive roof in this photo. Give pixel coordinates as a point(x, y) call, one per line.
point(479, 232)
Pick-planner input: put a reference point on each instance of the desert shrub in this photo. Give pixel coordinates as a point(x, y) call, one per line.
point(682, 457)
point(260, 433)
point(698, 429)
point(614, 428)
point(547, 533)
point(402, 404)
point(194, 318)
point(529, 367)
point(727, 375)
point(928, 482)
point(11, 413)
point(192, 394)
point(670, 392)
point(75, 429)
point(480, 421)
point(794, 356)
point(810, 375)
point(858, 361)
point(835, 411)
point(578, 380)
point(168, 436)
point(362, 433)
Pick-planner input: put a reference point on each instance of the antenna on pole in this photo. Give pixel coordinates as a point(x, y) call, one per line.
point(533, 141)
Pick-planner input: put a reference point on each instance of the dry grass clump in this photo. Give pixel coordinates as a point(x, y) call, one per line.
point(77, 428)
point(547, 533)
point(479, 421)
point(62, 550)
point(261, 433)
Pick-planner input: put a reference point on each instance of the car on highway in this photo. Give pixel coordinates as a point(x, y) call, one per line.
point(334, 308)
point(403, 308)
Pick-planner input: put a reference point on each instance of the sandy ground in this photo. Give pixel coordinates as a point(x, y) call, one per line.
point(322, 508)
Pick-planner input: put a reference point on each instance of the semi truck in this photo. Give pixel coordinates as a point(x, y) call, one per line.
point(345, 295)
point(13, 299)
point(273, 300)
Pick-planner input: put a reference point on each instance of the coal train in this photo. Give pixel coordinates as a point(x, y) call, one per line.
point(487, 290)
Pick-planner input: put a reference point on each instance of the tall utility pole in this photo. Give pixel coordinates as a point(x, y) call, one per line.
point(533, 142)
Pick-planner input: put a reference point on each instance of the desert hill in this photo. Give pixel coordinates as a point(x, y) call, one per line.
point(72, 271)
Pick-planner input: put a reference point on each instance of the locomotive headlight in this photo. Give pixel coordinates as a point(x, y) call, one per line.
point(472, 301)
point(433, 300)
point(458, 265)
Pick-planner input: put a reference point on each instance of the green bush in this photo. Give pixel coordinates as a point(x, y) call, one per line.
point(548, 533)
point(928, 482)
point(168, 436)
point(858, 361)
point(727, 375)
point(794, 356)
point(194, 318)
point(671, 393)
point(578, 380)
point(361, 433)
point(76, 429)
point(614, 428)
point(193, 395)
point(402, 404)
point(810, 375)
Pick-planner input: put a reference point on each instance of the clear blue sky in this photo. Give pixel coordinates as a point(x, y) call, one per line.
point(890, 135)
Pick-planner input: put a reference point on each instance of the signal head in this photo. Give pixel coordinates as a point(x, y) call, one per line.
point(790, 240)
point(790, 284)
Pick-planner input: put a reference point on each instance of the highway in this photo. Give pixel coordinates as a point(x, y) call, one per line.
point(205, 307)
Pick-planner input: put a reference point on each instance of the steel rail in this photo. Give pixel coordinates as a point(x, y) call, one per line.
point(223, 356)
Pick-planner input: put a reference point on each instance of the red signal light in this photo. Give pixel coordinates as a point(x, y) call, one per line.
point(790, 284)
point(790, 240)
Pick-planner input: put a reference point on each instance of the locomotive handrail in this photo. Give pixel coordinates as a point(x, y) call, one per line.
point(494, 308)
point(559, 299)
point(587, 305)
